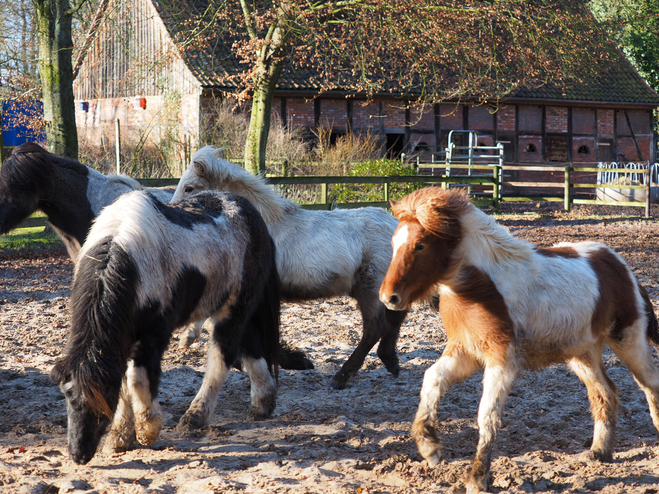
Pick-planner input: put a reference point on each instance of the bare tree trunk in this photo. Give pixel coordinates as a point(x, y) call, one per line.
point(56, 74)
point(259, 122)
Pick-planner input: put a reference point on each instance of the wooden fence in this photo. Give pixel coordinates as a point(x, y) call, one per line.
point(485, 186)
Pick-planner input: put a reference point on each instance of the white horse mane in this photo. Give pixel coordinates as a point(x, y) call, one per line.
point(492, 241)
point(224, 175)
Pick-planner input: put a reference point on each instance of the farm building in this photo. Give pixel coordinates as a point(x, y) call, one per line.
point(134, 72)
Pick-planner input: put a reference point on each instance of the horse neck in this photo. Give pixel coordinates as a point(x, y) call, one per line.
point(262, 196)
point(489, 246)
point(66, 205)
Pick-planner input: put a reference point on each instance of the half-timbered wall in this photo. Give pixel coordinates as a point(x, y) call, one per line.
point(133, 55)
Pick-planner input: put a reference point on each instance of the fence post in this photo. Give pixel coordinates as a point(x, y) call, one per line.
point(117, 139)
point(386, 191)
point(495, 188)
point(568, 195)
point(323, 193)
point(648, 190)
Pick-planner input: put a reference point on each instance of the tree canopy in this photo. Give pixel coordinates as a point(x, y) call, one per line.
point(432, 50)
point(634, 25)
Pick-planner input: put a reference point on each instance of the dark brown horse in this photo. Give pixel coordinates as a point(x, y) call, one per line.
point(508, 305)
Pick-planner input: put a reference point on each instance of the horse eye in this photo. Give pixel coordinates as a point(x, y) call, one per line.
point(189, 189)
point(419, 247)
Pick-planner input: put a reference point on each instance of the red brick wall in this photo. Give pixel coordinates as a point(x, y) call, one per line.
point(300, 112)
point(639, 119)
point(394, 116)
point(428, 139)
point(556, 119)
point(605, 123)
point(530, 118)
point(627, 147)
point(450, 117)
point(481, 118)
point(422, 117)
point(365, 115)
point(334, 114)
point(506, 118)
point(583, 121)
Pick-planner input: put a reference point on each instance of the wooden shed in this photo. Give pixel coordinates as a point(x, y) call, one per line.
point(134, 72)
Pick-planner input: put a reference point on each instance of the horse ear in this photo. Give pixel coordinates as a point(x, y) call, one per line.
point(200, 168)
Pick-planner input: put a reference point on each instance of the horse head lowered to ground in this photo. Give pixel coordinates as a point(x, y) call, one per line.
point(70, 194)
point(146, 269)
point(508, 305)
point(319, 253)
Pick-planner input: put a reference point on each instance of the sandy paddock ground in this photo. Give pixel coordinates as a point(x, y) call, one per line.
point(320, 440)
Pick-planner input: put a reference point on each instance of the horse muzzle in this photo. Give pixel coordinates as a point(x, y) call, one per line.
point(393, 301)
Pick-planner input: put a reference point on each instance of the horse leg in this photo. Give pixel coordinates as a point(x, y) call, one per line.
point(370, 336)
point(143, 377)
point(121, 436)
point(603, 398)
point(374, 322)
point(387, 347)
point(201, 409)
point(498, 379)
point(263, 391)
point(453, 366)
point(188, 337)
point(636, 354)
point(147, 410)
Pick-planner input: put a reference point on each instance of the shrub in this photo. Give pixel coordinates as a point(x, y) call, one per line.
point(374, 192)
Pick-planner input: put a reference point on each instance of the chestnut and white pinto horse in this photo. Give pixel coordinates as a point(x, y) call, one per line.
point(508, 305)
point(319, 253)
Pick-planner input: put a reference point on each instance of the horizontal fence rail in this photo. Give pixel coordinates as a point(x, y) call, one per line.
point(485, 186)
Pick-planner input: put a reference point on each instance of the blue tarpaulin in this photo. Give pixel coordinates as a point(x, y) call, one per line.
point(15, 127)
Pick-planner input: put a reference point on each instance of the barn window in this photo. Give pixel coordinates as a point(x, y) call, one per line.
point(530, 148)
point(583, 149)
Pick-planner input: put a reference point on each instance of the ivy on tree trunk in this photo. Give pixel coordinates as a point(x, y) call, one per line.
point(56, 73)
point(259, 123)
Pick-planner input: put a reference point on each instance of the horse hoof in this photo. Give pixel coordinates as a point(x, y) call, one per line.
point(473, 489)
point(394, 370)
point(256, 415)
point(601, 456)
point(263, 408)
point(148, 433)
point(434, 458)
point(119, 443)
point(190, 422)
point(185, 341)
point(338, 385)
point(308, 364)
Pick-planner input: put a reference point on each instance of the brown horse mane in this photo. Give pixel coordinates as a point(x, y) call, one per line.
point(436, 209)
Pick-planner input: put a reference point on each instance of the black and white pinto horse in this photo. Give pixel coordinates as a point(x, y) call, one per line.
point(70, 194)
point(145, 269)
point(319, 253)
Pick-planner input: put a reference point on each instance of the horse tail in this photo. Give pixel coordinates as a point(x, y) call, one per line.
point(267, 317)
point(652, 329)
point(103, 303)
